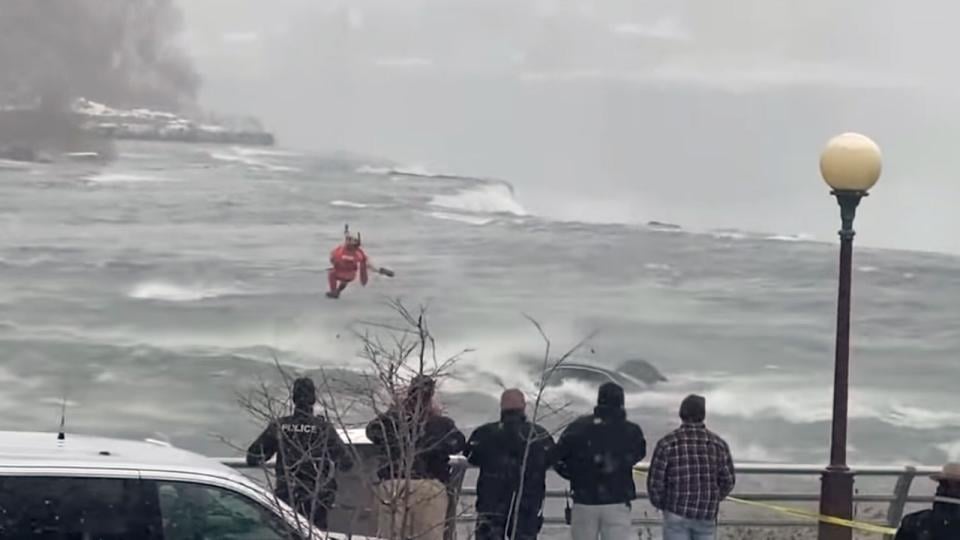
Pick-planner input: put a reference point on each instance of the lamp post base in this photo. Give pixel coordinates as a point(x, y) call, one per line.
point(836, 499)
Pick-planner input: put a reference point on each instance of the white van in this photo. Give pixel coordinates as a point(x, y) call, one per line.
point(92, 488)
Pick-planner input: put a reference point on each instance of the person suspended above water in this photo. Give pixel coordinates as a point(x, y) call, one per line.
point(347, 261)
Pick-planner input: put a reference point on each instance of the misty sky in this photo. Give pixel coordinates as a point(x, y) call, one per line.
point(704, 113)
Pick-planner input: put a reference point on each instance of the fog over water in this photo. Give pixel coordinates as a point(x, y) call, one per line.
point(706, 114)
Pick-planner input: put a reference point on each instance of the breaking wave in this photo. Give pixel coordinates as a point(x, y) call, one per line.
point(785, 397)
point(252, 162)
point(792, 237)
point(918, 418)
point(469, 220)
point(487, 199)
point(411, 170)
point(267, 152)
point(416, 171)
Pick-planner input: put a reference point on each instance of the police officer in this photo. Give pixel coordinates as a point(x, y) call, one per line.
point(942, 522)
point(309, 452)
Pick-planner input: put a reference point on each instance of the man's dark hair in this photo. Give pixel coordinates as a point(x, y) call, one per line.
point(693, 409)
point(420, 393)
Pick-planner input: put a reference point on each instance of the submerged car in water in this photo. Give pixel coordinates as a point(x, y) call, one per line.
point(632, 375)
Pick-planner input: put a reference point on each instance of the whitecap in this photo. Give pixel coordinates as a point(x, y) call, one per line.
point(251, 162)
point(791, 237)
point(123, 178)
point(728, 235)
point(786, 396)
point(798, 404)
point(907, 416)
point(348, 204)
point(369, 169)
point(470, 220)
point(867, 269)
point(406, 170)
point(487, 199)
point(267, 152)
point(169, 292)
point(417, 170)
point(787, 400)
point(8, 165)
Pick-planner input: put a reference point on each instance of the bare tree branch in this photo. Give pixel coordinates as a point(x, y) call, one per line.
point(548, 369)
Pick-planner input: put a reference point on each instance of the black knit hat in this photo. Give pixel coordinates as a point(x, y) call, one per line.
point(304, 393)
point(610, 396)
point(693, 408)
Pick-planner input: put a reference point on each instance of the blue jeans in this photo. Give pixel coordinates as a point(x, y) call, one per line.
point(680, 528)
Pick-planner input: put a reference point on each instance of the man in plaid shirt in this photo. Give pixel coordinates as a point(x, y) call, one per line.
point(691, 471)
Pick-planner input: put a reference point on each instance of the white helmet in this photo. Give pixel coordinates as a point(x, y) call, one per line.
point(349, 238)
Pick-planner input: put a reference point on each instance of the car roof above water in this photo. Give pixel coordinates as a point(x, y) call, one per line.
point(31, 449)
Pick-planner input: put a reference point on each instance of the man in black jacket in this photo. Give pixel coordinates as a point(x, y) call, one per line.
point(942, 522)
point(597, 454)
point(501, 450)
point(309, 452)
point(415, 443)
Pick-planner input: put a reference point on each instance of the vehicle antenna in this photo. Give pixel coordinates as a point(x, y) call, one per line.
point(63, 420)
point(62, 434)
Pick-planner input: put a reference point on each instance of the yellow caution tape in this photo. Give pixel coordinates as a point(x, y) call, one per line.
point(796, 512)
point(858, 525)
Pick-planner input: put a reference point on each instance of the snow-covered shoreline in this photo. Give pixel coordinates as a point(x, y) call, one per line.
point(146, 124)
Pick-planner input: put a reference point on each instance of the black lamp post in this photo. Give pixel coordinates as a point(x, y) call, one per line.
point(851, 165)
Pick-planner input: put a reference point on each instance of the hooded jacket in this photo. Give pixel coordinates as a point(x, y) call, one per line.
point(597, 452)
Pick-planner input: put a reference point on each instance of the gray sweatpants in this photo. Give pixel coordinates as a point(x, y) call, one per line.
point(606, 521)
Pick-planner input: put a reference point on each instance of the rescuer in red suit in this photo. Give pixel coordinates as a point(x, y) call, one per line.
point(348, 259)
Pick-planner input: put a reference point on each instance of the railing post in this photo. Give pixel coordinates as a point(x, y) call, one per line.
point(458, 470)
point(900, 493)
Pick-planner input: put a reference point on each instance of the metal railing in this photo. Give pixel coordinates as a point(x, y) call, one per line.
point(896, 500)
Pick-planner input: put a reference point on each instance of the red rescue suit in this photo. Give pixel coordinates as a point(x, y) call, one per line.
point(347, 260)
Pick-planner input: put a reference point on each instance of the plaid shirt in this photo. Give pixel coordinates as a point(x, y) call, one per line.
point(691, 471)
